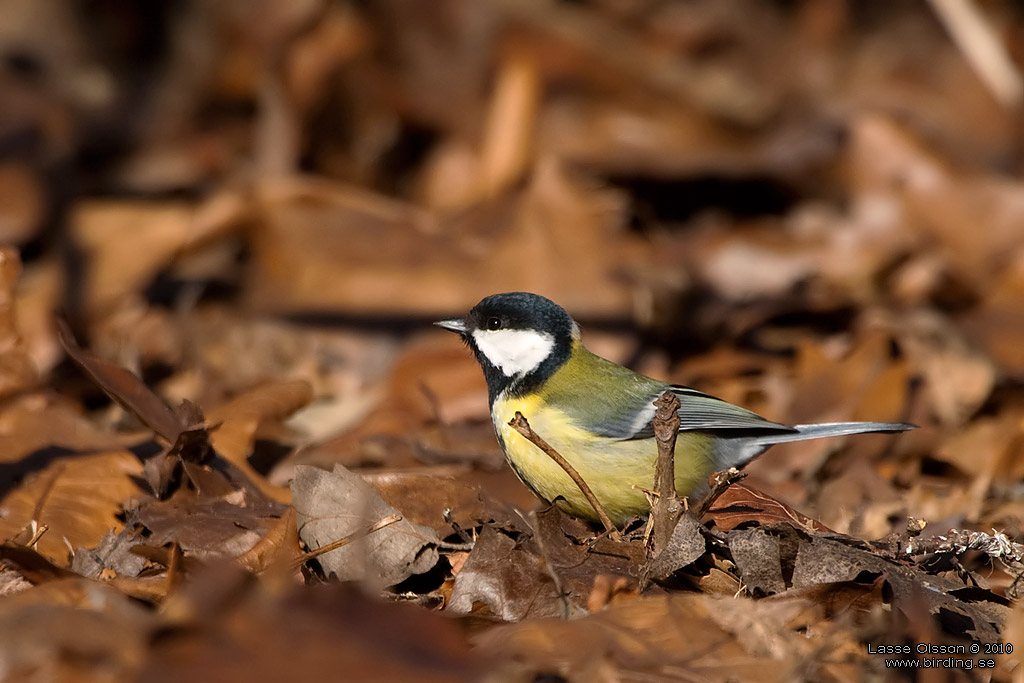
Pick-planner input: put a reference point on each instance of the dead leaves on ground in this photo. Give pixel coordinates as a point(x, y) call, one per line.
point(207, 513)
point(810, 209)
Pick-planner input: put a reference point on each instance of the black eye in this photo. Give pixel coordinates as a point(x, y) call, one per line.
point(494, 323)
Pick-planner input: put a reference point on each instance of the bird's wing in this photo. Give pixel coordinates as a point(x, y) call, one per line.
point(700, 412)
point(617, 403)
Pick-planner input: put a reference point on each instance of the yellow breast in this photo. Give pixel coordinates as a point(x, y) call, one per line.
point(615, 470)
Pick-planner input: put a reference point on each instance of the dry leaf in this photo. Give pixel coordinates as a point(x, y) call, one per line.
point(425, 498)
point(740, 504)
point(554, 570)
point(207, 527)
point(76, 629)
point(278, 548)
point(319, 250)
point(957, 377)
point(239, 419)
point(128, 243)
point(675, 636)
point(758, 558)
point(77, 498)
point(17, 372)
point(126, 388)
point(997, 324)
point(236, 631)
point(331, 506)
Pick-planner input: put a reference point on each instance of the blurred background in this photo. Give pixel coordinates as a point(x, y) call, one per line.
point(811, 208)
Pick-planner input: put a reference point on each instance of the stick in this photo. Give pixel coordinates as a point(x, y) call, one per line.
point(667, 508)
point(341, 542)
point(520, 424)
point(720, 481)
point(982, 48)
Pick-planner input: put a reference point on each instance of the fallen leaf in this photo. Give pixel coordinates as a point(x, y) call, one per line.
point(758, 558)
point(822, 560)
point(685, 546)
point(23, 200)
point(239, 419)
point(74, 629)
point(552, 570)
point(997, 323)
point(1011, 661)
point(547, 239)
point(126, 388)
point(740, 504)
point(114, 553)
point(424, 498)
point(31, 565)
point(841, 597)
point(279, 547)
point(128, 243)
point(331, 506)
point(928, 196)
point(859, 501)
point(207, 527)
point(78, 498)
point(239, 631)
point(503, 579)
point(656, 636)
point(35, 429)
point(17, 371)
point(957, 377)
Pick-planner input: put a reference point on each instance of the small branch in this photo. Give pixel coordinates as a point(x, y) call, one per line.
point(719, 482)
point(37, 533)
point(341, 542)
point(448, 518)
point(174, 567)
point(958, 541)
point(667, 508)
point(520, 424)
point(982, 48)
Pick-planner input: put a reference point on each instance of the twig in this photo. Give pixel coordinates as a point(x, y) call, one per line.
point(341, 542)
point(982, 48)
point(667, 508)
point(520, 424)
point(448, 518)
point(651, 496)
point(174, 567)
point(720, 481)
point(37, 533)
point(959, 541)
point(455, 547)
point(956, 542)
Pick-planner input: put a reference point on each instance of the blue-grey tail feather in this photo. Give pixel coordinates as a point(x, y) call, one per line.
point(741, 450)
point(817, 431)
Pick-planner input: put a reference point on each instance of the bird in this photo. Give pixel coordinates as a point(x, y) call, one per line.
point(599, 415)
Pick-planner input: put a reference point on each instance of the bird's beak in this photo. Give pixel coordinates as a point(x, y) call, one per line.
point(455, 325)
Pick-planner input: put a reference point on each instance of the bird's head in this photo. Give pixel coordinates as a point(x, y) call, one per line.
point(519, 339)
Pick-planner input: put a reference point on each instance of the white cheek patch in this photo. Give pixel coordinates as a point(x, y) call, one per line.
point(514, 352)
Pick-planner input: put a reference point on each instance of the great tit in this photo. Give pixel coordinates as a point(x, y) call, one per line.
point(598, 415)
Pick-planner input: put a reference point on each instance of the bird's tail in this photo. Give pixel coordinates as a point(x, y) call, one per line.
point(753, 446)
point(818, 431)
